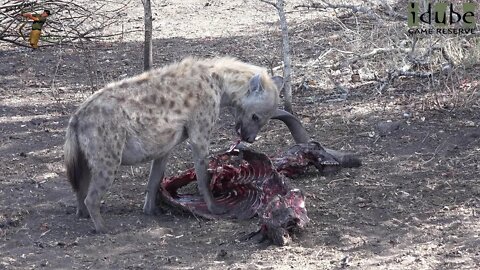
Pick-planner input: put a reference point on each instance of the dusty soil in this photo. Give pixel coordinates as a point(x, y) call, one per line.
point(414, 204)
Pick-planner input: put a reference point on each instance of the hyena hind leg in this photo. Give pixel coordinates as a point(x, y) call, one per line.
point(82, 211)
point(157, 172)
point(102, 178)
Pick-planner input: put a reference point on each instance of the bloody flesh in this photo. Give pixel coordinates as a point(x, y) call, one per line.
point(249, 183)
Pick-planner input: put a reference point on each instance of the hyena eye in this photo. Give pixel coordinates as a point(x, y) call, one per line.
point(255, 117)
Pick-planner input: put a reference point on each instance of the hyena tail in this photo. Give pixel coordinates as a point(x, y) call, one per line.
point(76, 164)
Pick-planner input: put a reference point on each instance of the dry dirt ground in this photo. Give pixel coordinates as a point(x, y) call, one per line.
point(414, 204)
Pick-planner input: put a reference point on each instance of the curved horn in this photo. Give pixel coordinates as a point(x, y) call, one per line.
point(294, 125)
point(300, 135)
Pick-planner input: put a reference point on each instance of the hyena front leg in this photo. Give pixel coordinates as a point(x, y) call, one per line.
point(200, 153)
point(157, 172)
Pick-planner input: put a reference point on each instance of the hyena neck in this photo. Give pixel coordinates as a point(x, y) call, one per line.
point(233, 77)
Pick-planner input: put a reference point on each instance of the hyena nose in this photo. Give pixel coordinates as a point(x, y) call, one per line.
point(250, 139)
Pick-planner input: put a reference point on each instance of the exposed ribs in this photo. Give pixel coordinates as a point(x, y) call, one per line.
point(249, 183)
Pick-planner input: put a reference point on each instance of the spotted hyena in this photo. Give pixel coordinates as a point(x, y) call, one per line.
point(143, 118)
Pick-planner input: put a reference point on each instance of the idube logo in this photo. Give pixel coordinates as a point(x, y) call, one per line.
point(442, 18)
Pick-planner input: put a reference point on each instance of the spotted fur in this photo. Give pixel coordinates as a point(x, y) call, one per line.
point(143, 118)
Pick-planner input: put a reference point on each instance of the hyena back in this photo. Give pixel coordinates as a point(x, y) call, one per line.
point(142, 118)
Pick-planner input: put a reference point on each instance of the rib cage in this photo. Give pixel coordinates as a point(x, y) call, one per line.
point(249, 183)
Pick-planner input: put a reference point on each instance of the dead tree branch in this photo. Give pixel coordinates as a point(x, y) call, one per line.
point(147, 50)
point(390, 12)
point(384, 8)
point(326, 5)
point(287, 62)
point(431, 58)
point(394, 74)
point(367, 55)
point(69, 22)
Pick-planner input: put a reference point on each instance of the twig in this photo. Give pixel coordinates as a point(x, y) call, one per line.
point(353, 8)
point(88, 22)
point(370, 54)
point(394, 74)
point(270, 3)
point(388, 10)
point(57, 66)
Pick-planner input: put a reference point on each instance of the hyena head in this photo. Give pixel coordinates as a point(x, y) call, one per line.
point(257, 106)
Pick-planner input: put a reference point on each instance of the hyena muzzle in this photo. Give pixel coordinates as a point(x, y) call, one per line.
point(143, 118)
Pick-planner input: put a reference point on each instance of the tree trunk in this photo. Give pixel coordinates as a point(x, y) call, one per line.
point(287, 62)
point(147, 50)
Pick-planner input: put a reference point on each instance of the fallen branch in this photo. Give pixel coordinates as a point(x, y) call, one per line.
point(394, 74)
point(353, 8)
point(385, 9)
point(347, 62)
point(388, 10)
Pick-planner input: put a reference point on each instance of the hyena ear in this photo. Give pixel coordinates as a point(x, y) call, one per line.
point(255, 84)
point(278, 80)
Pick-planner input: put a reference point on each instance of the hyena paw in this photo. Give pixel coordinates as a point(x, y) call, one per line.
point(217, 209)
point(152, 211)
point(82, 213)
